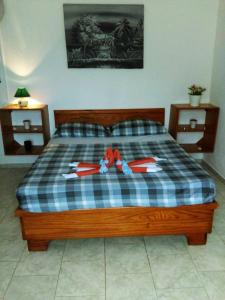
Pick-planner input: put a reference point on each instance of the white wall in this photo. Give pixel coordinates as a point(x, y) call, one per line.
point(217, 159)
point(179, 43)
point(3, 87)
point(3, 96)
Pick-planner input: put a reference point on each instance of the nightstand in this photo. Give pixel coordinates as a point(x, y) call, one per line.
point(11, 146)
point(208, 127)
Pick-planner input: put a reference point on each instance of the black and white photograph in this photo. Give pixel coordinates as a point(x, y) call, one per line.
point(104, 36)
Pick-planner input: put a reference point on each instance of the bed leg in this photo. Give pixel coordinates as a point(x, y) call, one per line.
point(37, 245)
point(197, 238)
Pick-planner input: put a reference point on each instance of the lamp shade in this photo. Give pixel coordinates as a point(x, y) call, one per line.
point(22, 93)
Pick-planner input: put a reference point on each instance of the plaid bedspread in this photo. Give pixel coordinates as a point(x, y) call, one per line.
point(182, 181)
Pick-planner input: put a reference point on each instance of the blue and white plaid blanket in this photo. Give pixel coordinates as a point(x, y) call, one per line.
point(181, 182)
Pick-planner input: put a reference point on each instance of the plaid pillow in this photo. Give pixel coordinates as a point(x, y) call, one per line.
point(80, 130)
point(137, 127)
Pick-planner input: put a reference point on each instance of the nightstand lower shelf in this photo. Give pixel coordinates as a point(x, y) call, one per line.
point(20, 150)
point(194, 148)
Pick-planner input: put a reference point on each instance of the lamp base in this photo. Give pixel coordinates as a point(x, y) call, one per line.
point(23, 103)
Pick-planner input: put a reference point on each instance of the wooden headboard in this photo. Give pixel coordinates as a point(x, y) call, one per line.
point(108, 117)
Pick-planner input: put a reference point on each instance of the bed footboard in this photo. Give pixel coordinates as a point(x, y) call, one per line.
point(194, 221)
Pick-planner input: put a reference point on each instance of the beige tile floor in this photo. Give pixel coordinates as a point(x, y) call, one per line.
point(162, 268)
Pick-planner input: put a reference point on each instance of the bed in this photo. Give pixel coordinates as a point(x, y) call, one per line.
point(105, 218)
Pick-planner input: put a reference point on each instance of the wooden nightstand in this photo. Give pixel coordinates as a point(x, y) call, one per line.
point(208, 128)
point(11, 146)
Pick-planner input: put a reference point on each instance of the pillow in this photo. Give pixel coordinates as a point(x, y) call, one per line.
point(80, 130)
point(137, 127)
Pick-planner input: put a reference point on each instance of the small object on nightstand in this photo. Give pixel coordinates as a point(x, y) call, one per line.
point(23, 103)
point(27, 124)
point(22, 94)
point(28, 145)
point(193, 123)
point(195, 94)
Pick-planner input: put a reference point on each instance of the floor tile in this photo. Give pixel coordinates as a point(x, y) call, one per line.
point(220, 187)
point(214, 283)
point(219, 228)
point(182, 294)
point(130, 287)
point(126, 258)
point(166, 245)
point(210, 257)
point(84, 249)
point(3, 211)
point(3, 202)
point(125, 240)
point(219, 215)
point(174, 271)
point(81, 278)
point(219, 220)
point(8, 190)
point(31, 288)
point(41, 263)
point(10, 228)
point(222, 192)
point(11, 217)
point(9, 211)
point(6, 272)
point(220, 197)
point(11, 250)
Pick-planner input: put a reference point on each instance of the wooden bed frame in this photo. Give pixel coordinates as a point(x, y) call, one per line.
point(194, 221)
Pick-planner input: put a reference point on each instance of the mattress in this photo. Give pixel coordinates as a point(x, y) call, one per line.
point(182, 181)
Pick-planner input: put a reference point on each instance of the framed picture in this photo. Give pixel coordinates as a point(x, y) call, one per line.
point(104, 36)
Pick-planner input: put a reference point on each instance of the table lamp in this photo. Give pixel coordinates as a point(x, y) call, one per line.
point(22, 94)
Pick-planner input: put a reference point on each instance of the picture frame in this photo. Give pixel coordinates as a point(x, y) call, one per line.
point(104, 35)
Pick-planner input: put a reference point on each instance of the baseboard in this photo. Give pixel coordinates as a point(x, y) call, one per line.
point(212, 170)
